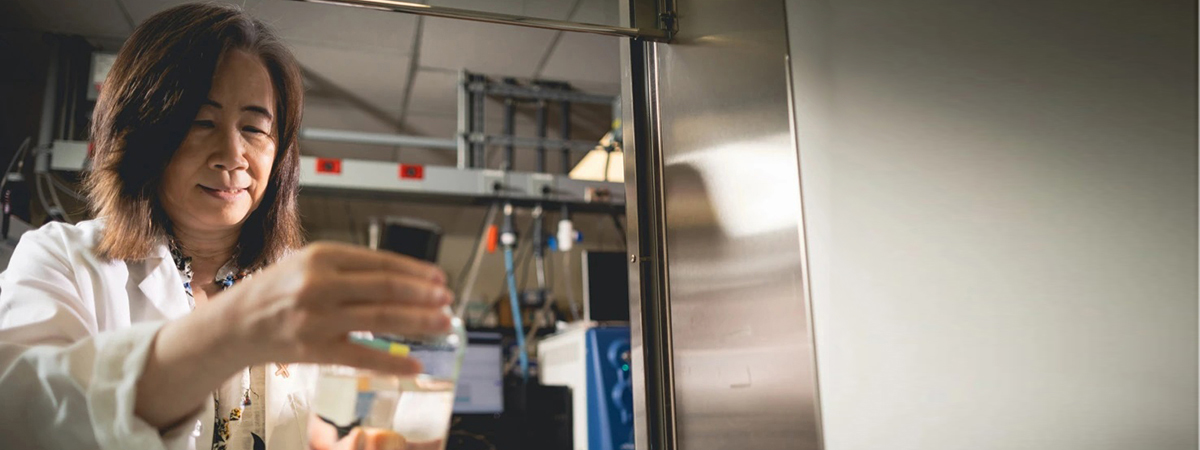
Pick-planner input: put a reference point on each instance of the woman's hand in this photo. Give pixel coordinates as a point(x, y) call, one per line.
point(323, 436)
point(298, 310)
point(302, 308)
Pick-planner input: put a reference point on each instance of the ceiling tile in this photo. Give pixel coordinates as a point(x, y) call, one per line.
point(603, 12)
point(502, 50)
point(377, 78)
point(585, 57)
point(434, 92)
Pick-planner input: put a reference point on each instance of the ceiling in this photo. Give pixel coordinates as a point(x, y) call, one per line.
point(378, 71)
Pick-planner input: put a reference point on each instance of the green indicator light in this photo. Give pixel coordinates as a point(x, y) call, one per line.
point(625, 367)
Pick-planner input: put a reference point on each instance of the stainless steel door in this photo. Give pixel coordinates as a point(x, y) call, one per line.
point(718, 176)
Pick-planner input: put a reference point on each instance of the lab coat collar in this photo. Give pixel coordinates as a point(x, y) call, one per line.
point(161, 251)
point(161, 283)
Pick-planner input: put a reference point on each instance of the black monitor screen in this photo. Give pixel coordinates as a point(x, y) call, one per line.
point(606, 286)
point(406, 236)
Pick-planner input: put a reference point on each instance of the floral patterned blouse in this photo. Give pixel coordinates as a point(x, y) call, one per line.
point(239, 422)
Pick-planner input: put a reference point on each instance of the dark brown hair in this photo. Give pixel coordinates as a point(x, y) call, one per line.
point(161, 77)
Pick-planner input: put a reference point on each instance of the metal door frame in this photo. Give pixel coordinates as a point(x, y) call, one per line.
point(650, 345)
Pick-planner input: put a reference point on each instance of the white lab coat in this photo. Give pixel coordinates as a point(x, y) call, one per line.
point(75, 332)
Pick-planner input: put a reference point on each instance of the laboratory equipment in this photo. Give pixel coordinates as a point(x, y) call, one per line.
point(595, 363)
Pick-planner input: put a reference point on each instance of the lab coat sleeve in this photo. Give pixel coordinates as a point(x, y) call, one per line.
point(65, 384)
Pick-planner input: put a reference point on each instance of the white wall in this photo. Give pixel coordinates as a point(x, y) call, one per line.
point(1000, 205)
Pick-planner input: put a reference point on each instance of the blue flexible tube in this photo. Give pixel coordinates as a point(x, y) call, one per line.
point(523, 356)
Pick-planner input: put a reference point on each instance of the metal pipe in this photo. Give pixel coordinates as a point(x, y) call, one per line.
point(503, 19)
point(541, 133)
point(463, 144)
point(565, 135)
point(359, 137)
point(479, 149)
point(532, 142)
point(510, 130)
point(540, 92)
point(539, 252)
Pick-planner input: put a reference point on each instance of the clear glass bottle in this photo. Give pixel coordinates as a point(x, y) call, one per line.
point(352, 401)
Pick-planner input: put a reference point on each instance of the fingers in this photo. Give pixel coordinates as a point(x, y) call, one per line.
point(323, 436)
point(379, 287)
point(381, 439)
point(344, 257)
point(391, 319)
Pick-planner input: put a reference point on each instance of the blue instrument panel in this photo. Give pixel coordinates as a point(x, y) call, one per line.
point(610, 390)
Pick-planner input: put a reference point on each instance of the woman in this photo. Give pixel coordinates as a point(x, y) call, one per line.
point(173, 317)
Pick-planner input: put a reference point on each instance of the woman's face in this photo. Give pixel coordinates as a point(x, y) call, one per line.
point(218, 175)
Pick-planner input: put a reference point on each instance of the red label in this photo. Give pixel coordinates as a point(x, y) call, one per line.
point(329, 165)
point(412, 172)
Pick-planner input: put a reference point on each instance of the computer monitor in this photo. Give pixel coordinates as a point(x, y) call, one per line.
point(481, 383)
point(605, 286)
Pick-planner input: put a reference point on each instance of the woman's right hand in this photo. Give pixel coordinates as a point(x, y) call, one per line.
point(302, 308)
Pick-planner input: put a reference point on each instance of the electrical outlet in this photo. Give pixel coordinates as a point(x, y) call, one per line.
point(541, 185)
point(492, 182)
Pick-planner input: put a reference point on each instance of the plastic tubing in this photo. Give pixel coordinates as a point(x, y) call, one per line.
point(516, 312)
